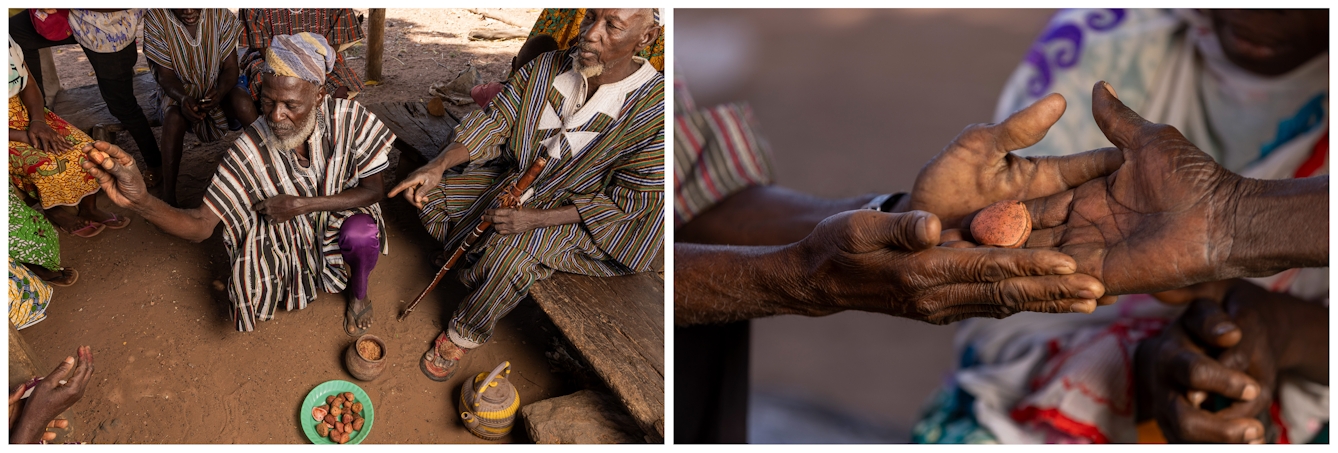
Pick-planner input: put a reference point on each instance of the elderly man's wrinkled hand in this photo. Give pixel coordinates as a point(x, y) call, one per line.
point(1158, 222)
point(115, 172)
point(978, 168)
point(889, 263)
point(416, 186)
point(280, 208)
point(507, 221)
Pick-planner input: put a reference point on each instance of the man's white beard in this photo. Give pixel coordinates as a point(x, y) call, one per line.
point(299, 137)
point(589, 71)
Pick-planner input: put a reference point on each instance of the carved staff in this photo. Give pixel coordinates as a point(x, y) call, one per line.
point(510, 198)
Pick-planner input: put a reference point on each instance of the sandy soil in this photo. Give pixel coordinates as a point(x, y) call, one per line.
point(172, 369)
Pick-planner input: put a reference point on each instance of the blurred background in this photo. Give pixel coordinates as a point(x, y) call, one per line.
point(852, 102)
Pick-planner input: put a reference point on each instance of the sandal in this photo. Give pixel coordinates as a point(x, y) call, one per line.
point(439, 368)
point(353, 321)
point(88, 231)
point(116, 222)
point(67, 277)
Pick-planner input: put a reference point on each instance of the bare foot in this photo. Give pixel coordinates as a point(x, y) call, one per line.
point(358, 316)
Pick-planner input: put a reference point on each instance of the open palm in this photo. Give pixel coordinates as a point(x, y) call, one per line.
point(1157, 223)
point(978, 167)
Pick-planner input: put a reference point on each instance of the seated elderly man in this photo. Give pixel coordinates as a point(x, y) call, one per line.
point(192, 53)
point(597, 111)
point(297, 193)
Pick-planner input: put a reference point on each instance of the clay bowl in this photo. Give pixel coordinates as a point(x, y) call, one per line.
point(360, 367)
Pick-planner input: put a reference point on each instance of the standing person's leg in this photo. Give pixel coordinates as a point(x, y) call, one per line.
point(360, 243)
point(25, 35)
point(116, 80)
point(174, 134)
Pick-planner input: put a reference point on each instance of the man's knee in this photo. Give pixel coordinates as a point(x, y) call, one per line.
point(359, 232)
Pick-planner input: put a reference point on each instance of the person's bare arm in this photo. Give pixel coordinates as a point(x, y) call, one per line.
point(1170, 216)
point(40, 134)
point(874, 261)
point(763, 215)
point(1280, 224)
point(519, 220)
point(417, 184)
point(120, 179)
point(281, 208)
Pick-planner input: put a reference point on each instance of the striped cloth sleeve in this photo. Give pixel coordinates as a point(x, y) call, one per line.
point(631, 209)
point(717, 152)
point(481, 130)
point(155, 38)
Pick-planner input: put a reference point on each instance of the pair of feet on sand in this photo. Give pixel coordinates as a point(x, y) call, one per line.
point(89, 221)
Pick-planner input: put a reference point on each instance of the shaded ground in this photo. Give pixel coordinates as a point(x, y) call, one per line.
point(172, 369)
point(852, 102)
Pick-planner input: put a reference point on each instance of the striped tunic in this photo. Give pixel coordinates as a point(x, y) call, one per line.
point(285, 264)
point(717, 152)
point(608, 162)
point(339, 26)
point(196, 60)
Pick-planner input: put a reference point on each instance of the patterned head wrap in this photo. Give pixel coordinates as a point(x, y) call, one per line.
point(304, 55)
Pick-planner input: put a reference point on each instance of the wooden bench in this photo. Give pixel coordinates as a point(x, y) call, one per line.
point(418, 134)
point(617, 325)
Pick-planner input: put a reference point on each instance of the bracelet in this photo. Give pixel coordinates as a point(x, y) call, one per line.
point(885, 202)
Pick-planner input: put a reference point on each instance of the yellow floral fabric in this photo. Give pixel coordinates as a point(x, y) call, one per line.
point(56, 179)
point(28, 296)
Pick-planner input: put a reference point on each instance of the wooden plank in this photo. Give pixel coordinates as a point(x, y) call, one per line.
point(376, 39)
point(617, 325)
point(84, 108)
point(417, 132)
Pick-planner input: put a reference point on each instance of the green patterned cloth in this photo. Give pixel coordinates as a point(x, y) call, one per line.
point(32, 239)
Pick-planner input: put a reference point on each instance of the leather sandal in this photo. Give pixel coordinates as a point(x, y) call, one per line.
point(439, 368)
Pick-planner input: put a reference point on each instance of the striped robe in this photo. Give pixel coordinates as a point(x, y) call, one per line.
point(285, 264)
point(196, 61)
point(608, 162)
point(339, 26)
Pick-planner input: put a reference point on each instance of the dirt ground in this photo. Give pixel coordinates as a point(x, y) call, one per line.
point(172, 369)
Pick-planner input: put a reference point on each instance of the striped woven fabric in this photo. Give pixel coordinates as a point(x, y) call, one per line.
point(285, 264)
point(196, 60)
point(717, 151)
point(339, 26)
point(609, 163)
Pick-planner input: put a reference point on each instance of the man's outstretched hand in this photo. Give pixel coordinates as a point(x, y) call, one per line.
point(978, 168)
point(1161, 221)
point(889, 263)
point(116, 172)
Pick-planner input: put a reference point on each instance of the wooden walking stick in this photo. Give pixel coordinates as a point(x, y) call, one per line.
point(510, 198)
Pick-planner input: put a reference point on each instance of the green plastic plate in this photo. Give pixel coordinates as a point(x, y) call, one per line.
point(317, 398)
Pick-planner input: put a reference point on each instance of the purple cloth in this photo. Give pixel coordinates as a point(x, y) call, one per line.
point(361, 246)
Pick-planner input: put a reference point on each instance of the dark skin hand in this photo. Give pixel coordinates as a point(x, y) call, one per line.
point(507, 221)
point(1170, 216)
point(873, 261)
point(978, 168)
point(1236, 348)
point(39, 134)
point(51, 397)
